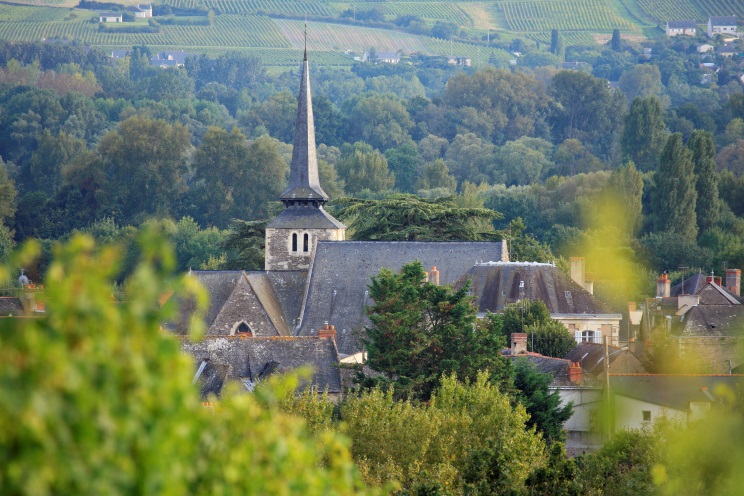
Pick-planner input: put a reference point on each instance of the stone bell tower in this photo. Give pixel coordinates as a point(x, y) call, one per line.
point(292, 236)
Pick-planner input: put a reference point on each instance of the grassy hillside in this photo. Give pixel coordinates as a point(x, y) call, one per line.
point(273, 28)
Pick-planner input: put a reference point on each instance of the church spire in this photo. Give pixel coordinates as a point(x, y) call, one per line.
point(304, 183)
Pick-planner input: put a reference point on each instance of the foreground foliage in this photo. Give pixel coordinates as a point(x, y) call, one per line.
point(95, 399)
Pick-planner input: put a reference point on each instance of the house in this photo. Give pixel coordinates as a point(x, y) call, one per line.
point(463, 61)
point(723, 25)
point(705, 48)
point(593, 360)
point(639, 400)
point(703, 319)
point(120, 54)
point(388, 57)
point(315, 287)
point(110, 17)
point(141, 11)
point(674, 28)
point(170, 58)
point(726, 51)
point(575, 66)
point(497, 284)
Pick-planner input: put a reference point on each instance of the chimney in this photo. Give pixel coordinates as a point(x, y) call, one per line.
point(714, 279)
point(663, 286)
point(631, 306)
point(577, 270)
point(434, 276)
point(328, 331)
point(518, 343)
point(733, 281)
point(575, 374)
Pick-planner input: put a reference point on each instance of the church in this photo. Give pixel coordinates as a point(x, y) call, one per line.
point(308, 306)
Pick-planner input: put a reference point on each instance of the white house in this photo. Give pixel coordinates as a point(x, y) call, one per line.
point(721, 25)
point(110, 17)
point(674, 28)
point(141, 11)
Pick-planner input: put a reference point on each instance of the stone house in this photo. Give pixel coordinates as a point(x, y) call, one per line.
point(723, 25)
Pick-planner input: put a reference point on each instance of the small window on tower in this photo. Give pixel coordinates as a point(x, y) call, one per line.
point(306, 243)
point(294, 242)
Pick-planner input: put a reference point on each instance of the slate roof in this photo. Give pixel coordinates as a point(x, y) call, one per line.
point(304, 182)
point(496, 284)
point(341, 273)
point(304, 217)
point(695, 285)
point(723, 20)
point(713, 320)
point(674, 391)
point(682, 24)
point(557, 367)
point(591, 358)
point(252, 359)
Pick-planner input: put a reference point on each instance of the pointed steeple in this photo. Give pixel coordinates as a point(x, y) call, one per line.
point(304, 183)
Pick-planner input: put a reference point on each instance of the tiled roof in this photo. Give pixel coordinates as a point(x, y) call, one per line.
point(591, 358)
point(682, 24)
point(714, 320)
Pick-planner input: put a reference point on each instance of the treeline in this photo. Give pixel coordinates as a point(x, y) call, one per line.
point(81, 133)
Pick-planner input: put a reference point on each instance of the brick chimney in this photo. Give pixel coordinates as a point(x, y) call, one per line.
point(663, 286)
point(575, 373)
point(434, 276)
point(328, 331)
point(714, 279)
point(733, 281)
point(518, 343)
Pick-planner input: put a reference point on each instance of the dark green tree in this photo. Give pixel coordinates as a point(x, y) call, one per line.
point(554, 34)
point(557, 476)
point(616, 43)
point(675, 201)
point(586, 109)
point(558, 44)
point(549, 338)
point(625, 186)
point(520, 316)
point(546, 414)
point(703, 150)
point(244, 245)
point(645, 133)
point(403, 161)
point(421, 331)
point(409, 218)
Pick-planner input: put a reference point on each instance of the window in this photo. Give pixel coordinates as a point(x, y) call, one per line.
point(646, 415)
point(306, 243)
point(294, 242)
point(588, 336)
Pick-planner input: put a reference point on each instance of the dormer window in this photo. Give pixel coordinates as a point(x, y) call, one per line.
point(242, 329)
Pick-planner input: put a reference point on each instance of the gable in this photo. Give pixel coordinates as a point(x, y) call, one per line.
point(244, 305)
point(714, 295)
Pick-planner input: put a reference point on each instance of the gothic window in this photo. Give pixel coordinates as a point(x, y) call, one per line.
point(306, 243)
point(242, 329)
point(294, 242)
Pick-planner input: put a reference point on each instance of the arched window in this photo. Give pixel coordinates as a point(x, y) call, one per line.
point(242, 329)
point(294, 242)
point(306, 243)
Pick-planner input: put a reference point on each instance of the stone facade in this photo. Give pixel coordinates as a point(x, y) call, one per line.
point(294, 249)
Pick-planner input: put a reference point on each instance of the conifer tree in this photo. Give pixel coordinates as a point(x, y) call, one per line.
point(616, 43)
point(676, 198)
point(706, 179)
point(645, 133)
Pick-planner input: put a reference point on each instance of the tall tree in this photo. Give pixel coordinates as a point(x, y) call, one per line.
point(616, 43)
point(586, 109)
point(625, 186)
point(546, 414)
point(369, 171)
point(703, 150)
point(645, 133)
point(144, 160)
point(421, 331)
point(675, 202)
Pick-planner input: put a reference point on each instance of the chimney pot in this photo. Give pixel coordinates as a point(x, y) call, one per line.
point(663, 286)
